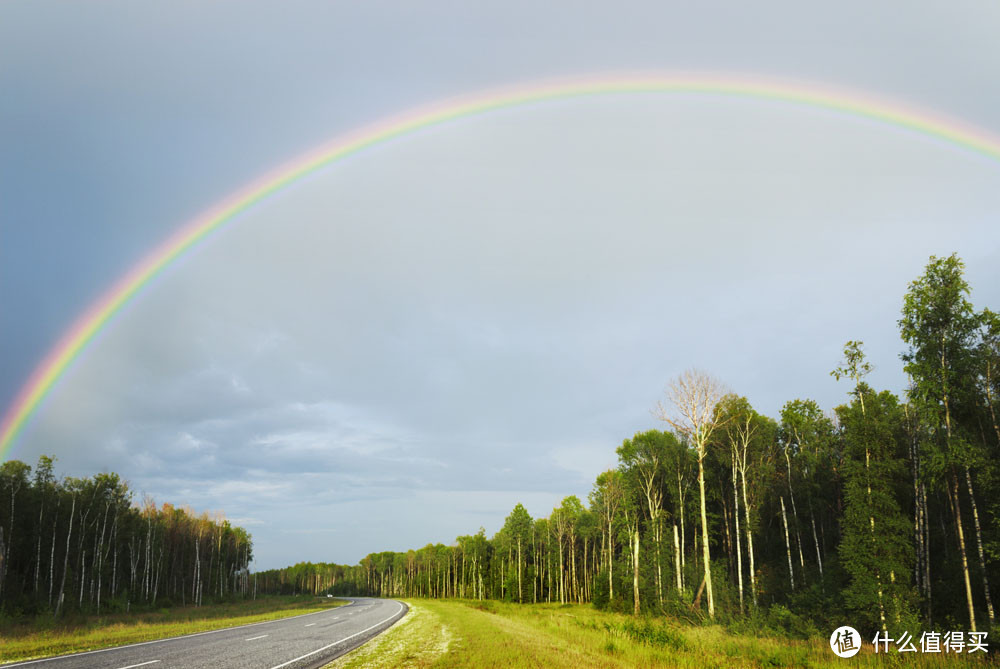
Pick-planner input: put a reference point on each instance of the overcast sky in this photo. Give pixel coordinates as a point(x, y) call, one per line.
point(400, 348)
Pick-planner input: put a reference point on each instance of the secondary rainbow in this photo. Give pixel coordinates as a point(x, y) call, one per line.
point(845, 102)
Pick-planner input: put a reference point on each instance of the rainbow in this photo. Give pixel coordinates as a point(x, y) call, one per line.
point(844, 102)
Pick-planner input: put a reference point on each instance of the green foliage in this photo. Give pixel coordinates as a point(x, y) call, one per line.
point(939, 325)
point(601, 596)
point(646, 632)
point(782, 621)
point(876, 549)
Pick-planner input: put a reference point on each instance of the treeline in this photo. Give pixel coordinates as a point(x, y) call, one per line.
point(301, 579)
point(84, 545)
point(882, 512)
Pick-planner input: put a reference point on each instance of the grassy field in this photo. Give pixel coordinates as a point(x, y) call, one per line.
point(46, 637)
point(468, 634)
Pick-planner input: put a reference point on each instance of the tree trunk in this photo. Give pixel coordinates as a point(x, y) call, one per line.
point(819, 557)
point(918, 529)
point(677, 559)
point(534, 576)
point(548, 572)
point(739, 552)
point(680, 504)
point(575, 590)
point(957, 511)
point(83, 570)
point(52, 556)
point(69, 534)
point(795, 514)
point(562, 575)
point(746, 510)
point(704, 533)
point(38, 551)
point(5, 550)
point(520, 598)
point(697, 597)
point(788, 545)
point(871, 525)
point(194, 576)
point(979, 545)
point(659, 559)
point(927, 561)
point(728, 535)
point(99, 557)
point(611, 566)
point(635, 568)
point(953, 490)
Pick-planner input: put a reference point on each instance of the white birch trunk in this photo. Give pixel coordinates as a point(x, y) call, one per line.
point(739, 551)
point(979, 545)
point(788, 545)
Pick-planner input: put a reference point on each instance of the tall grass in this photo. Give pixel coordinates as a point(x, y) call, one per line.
point(497, 634)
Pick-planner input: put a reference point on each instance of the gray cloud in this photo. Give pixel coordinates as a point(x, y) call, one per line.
point(406, 344)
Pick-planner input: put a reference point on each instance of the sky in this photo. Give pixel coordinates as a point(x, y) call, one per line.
point(399, 348)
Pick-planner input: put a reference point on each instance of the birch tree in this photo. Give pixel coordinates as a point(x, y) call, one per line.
point(518, 525)
point(694, 397)
point(606, 499)
point(939, 325)
point(645, 454)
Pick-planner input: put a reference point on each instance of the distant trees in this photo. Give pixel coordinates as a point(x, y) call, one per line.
point(861, 513)
point(84, 545)
point(879, 511)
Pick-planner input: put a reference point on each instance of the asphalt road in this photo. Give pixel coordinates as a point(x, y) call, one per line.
point(310, 640)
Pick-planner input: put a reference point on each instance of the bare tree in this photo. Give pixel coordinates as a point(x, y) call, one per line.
point(694, 396)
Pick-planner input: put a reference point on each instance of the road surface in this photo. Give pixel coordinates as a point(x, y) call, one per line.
point(310, 640)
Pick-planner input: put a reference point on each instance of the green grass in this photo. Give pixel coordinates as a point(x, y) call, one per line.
point(418, 640)
point(45, 637)
point(453, 633)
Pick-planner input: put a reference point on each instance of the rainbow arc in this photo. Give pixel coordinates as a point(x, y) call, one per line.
point(72, 344)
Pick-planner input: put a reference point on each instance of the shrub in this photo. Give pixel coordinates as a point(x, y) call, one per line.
point(646, 632)
point(601, 598)
point(783, 621)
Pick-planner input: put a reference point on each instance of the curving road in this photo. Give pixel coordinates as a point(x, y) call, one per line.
point(301, 642)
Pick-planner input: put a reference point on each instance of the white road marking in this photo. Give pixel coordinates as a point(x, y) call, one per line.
point(310, 624)
point(320, 650)
point(254, 638)
point(173, 638)
point(132, 666)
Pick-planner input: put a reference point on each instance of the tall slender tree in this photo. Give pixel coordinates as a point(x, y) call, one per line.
point(939, 325)
point(695, 396)
point(518, 526)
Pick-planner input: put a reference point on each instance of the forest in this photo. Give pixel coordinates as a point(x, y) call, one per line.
point(880, 513)
point(86, 546)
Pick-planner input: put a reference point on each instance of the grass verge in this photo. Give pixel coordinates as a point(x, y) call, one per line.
point(419, 639)
point(490, 634)
point(46, 637)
